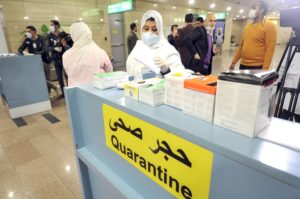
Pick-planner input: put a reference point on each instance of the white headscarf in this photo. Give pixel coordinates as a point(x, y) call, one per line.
point(159, 25)
point(142, 55)
point(81, 34)
point(85, 58)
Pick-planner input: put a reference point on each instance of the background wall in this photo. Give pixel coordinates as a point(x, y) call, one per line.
point(3, 44)
point(66, 11)
point(94, 13)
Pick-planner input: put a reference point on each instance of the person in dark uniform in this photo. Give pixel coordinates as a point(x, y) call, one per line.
point(132, 38)
point(34, 43)
point(174, 31)
point(56, 47)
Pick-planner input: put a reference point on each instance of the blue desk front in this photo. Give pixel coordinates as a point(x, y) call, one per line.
point(243, 168)
point(23, 85)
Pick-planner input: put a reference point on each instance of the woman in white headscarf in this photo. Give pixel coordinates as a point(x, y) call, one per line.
point(85, 58)
point(153, 52)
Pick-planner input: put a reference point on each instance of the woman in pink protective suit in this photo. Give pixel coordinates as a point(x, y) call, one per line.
point(85, 58)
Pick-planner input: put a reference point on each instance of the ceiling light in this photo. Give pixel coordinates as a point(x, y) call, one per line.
point(244, 17)
point(174, 7)
point(80, 19)
point(11, 194)
point(155, 5)
point(237, 16)
point(212, 5)
point(228, 8)
point(241, 11)
point(136, 21)
point(56, 18)
point(191, 2)
point(234, 18)
point(68, 168)
point(101, 20)
point(189, 10)
point(26, 17)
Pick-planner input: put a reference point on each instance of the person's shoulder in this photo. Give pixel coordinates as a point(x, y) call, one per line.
point(269, 24)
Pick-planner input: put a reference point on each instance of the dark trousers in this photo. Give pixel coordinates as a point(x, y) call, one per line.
point(243, 67)
point(286, 114)
point(59, 72)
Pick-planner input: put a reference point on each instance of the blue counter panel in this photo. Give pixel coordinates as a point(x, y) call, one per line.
point(243, 168)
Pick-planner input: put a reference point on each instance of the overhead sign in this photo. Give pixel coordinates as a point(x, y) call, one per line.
point(120, 7)
point(177, 165)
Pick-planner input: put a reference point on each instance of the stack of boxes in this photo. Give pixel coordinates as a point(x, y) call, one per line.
point(242, 103)
point(109, 80)
point(174, 89)
point(199, 97)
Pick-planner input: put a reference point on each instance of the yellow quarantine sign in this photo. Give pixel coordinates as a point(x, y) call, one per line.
point(179, 166)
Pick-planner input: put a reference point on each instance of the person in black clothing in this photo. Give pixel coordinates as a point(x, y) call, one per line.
point(180, 41)
point(199, 22)
point(200, 43)
point(174, 31)
point(132, 38)
point(57, 46)
point(33, 42)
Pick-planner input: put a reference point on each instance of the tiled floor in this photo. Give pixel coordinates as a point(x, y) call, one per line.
point(37, 161)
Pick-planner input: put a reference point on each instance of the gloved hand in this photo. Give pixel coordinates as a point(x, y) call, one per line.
point(58, 49)
point(161, 64)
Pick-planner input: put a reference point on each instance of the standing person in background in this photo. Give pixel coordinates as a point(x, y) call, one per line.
point(220, 40)
point(258, 43)
point(57, 49)
point(174, 31)
point(184, 51)
point(200, 43)
point(132, 37)
point(35, 44)
point(199, 22)
point(85, 58)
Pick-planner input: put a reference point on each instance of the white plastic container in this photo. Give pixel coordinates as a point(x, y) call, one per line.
point(109, 80)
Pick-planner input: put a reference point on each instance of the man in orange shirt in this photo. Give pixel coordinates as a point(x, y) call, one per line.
point(258, 43)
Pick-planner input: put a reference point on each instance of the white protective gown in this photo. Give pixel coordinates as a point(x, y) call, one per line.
point(141, 57)
point(85, 58)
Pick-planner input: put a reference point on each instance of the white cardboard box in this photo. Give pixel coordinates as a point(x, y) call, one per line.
point(131, 89)
point(174, 90)
point(244, 108)
point(199, 105)
point(199, 97)
point(152, 95)
point(109, 80)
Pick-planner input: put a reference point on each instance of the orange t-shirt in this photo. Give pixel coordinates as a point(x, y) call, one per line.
point(258, 45)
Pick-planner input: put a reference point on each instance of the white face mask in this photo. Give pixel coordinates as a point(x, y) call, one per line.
point(252, 13)
point(52, 29)
point(150, 38)
point(28, 35)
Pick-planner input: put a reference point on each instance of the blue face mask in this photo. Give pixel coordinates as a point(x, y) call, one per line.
point(150, 39)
